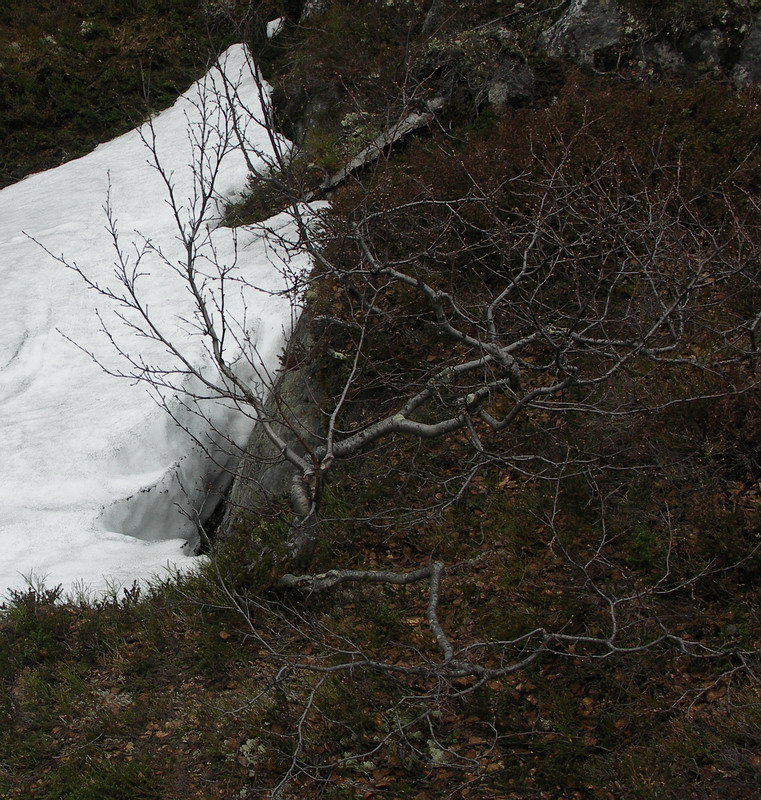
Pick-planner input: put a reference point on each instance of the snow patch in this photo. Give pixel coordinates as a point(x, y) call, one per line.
point(275, 27)
point(97, 484)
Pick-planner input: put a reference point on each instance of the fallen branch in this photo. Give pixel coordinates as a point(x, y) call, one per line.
point(379, 145)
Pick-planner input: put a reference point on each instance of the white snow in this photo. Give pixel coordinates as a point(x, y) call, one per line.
point(275, 27)
point(91, 469)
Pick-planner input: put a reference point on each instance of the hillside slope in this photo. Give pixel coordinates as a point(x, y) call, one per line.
point(605, 152)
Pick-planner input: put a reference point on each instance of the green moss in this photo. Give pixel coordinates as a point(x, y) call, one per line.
point(643, 547)
point(100, 779)
point(323, 149)
point(262, 199)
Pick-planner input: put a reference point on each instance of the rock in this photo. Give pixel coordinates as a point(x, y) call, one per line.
point(263, 473)
point(587, 28)
point(477, 66)
point(659, 54)
point(299, 111)
point(747, 71)
point(706, 48)
point(313, 8)
point(513, 81)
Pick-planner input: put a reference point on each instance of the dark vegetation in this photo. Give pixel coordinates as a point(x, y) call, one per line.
point(77, 73)
point(166, 693)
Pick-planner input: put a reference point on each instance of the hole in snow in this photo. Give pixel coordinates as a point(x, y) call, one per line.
point(175, 506)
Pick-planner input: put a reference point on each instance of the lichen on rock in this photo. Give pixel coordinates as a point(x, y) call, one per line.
point(587, 28)
point(747, 71)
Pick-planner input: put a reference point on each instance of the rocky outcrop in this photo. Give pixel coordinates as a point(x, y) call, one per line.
point(658, 54)
point(706, 48)
point(514, 80)
point(587, 28)
point(603, 34)
point(748, 68)
point(263, 474)
point(471, 69)
point(311, 9)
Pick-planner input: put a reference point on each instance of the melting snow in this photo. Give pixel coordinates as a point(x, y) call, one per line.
point(91, 470)
point(275, 27)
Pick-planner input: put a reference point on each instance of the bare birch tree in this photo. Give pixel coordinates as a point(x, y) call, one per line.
point(578, 299)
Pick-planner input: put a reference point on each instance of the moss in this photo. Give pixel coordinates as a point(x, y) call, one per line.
point(262, 199)
point(644, 548)
point(324, 149)
point(100, 779)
